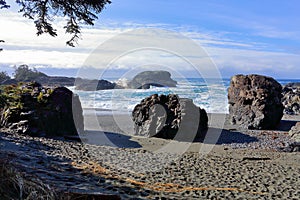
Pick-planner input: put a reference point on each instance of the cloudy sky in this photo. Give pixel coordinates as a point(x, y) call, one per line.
point(258, 36)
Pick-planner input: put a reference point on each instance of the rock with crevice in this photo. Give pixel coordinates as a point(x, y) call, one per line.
point(255, 102)
point(169, 117)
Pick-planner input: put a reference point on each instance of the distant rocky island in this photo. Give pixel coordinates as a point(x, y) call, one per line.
point(143, 80)
point(24, 74)
point(146, 79)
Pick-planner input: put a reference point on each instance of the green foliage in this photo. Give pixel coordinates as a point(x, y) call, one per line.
point(40, 98)
point(11, 95)
point(49, 91)
point(78, 12)
point(2, 100)
point(3, 77)
point(24, 73)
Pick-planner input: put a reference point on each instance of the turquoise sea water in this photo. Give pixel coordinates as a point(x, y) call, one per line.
point(210, 94)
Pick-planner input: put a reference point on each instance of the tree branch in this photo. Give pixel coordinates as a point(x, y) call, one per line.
point(44, 12)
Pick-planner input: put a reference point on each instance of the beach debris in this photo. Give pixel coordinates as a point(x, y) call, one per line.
point(292, 147)
point(255, 102)
point(169, 117)
point(96, 169)
point(291, 98)
point(94, 195)
point(255, 158)
point(39, 111)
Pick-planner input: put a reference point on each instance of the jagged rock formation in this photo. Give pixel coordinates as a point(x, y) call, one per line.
point(146, 79)
point(169, 117)
point(295, 132)
point(295, 135)
point(39, 111)
point(255, 101)
point(291, 98)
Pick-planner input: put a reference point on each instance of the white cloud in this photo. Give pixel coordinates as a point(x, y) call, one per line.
point(22, 46)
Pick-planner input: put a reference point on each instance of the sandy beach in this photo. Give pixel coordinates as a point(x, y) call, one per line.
point(118, 131)
point(112, 163)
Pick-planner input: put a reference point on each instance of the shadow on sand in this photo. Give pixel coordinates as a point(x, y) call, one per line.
point(286, 125)
point(220, 136)
point(111, 139)
point(212, 136)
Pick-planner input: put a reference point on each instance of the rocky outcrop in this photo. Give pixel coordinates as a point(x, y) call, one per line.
point(9, 82)
point(93, 85)
point(295, 135)
point(168, 116)
point(295, 132)
point(143, 80)
point(39, 111)
point(57, 81)
point(146, 79)
point(291, 98)
point(255, 102)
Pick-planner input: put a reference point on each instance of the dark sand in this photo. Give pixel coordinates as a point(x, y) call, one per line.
point(229, 164)
point(118, 131)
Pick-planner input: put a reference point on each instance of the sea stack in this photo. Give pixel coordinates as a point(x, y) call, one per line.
point(146, 79)
point(255, 102)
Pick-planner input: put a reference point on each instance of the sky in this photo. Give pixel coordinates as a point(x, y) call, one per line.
point(240, 37)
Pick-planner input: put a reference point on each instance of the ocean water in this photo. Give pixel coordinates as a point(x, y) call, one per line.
point(210, 94)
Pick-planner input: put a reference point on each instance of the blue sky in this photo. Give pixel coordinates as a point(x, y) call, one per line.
point(240, 36)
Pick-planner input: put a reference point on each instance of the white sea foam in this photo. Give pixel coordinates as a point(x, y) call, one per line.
point(211, 97)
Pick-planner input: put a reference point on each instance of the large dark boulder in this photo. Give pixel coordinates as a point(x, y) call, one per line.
point(168, 116)
point(291, 98)
point(255, 101)
point(146, 79)
point(39, 111)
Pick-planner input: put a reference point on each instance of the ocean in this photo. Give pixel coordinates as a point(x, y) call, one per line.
point(210, 94)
